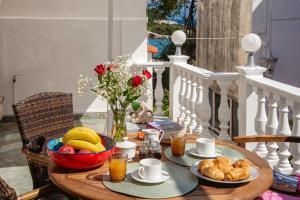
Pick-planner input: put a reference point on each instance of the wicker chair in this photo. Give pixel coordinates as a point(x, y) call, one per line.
point(42, 117)
point(8, 193)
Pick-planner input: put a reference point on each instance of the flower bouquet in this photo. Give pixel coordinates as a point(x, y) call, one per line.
point(119, 87)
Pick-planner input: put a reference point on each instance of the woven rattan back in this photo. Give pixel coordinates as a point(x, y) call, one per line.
point(6, 192)
point(42, 117)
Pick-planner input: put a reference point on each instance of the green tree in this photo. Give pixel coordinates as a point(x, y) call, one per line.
point(161, 9)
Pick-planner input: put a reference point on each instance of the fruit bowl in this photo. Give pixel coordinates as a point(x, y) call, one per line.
point(79, 161)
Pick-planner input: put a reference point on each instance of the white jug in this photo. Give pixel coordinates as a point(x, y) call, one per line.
point(1, 107)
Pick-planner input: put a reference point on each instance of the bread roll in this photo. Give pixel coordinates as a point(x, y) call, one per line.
point(204, 164)
point(213, 173)
point(241, 164)
point(237, 174)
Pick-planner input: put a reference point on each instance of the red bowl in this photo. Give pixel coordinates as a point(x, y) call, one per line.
point(79, 161)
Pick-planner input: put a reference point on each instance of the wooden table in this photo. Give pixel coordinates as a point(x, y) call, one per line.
point(88, 184)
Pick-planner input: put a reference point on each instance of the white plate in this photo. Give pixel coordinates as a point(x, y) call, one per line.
point(193, 152)
point(253, 175)
point(164, 177)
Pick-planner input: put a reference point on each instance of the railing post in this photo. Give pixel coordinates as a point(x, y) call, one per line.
point(149, 93)
point(159, 91)
point(247, 100)
point(260, 122)
point(271, 128)
point(295, 148)
point(187, 97)
point(205, 110)
point(193, 123)
point(198, 103)
point(176, 88)
point(283, 165)
point(224, 110)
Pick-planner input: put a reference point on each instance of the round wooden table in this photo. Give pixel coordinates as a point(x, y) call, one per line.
point(88, 184)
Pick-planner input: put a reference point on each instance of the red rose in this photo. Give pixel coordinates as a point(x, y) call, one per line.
point(147, 74)
point(136, 81)
point(100, 69)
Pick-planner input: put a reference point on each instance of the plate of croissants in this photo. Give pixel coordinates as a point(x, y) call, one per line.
point(224, 170)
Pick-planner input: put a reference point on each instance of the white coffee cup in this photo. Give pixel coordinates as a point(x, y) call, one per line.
point(206, 146)
point(150, 169)
point(153, 134)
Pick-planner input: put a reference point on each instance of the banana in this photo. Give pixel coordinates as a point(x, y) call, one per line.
point(82, 133)
point(81, 144)
point(101, 146)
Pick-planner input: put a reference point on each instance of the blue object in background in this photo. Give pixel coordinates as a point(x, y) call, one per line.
point(161, 44)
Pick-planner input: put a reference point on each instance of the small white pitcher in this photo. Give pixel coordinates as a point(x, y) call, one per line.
point(153, 134)
point(1, 107)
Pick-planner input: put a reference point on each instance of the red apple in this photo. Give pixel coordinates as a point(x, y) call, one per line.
point(67, 149)
point(84, 151)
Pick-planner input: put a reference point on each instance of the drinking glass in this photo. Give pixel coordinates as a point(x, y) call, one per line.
point(178, 145)
point(117, 167)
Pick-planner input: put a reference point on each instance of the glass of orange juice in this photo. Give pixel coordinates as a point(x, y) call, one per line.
point(117, 167)
point(178, 145)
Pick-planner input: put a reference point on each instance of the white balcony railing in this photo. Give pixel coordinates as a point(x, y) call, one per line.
point(265, 106)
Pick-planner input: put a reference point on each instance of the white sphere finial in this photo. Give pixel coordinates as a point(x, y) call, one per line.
point(251, 43)
point(178, 37)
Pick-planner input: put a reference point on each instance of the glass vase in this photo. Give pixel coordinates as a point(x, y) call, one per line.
point(119, 126)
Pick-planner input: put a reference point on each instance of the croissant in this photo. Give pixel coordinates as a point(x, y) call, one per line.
point(214, 173)
point(223, 161)
point(237, 174)
point(241, 164)
point(224, 168)
point(204, 164)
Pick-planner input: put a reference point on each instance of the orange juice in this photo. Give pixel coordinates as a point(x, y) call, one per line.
point(117, 168)
point(178, 145)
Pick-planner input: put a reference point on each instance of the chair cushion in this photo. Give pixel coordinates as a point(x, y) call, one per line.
point(285, 183)
point(6, 192)
point(271, 195)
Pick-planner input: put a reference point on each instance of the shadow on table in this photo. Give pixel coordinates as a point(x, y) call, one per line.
point(98, 177)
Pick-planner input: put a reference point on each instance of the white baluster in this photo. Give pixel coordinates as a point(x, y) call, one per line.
point(283, 165)
point(260, 122)
point(159, 92)
point(224, 110)
point(198, 103)
point(295, 147)
point(181, 98)
point(193, 122)
point(205, 110)
point(271, 128)
point(149, 94)
point(187, 97)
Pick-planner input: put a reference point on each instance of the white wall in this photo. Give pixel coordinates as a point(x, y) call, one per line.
point(284, 41)
point(50, 42)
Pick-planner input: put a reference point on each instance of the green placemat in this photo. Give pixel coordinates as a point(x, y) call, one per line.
point(188, 160)
point(182, 181)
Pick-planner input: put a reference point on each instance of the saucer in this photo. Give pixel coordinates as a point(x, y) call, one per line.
point(164, 177)
point(193, 152)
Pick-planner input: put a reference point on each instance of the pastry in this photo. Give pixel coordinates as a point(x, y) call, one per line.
point(223, 163)
point(237, 174)
point(204, 164)
point(224, 168)
point(213, 173)
point(223, 160)
point(241, 164)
